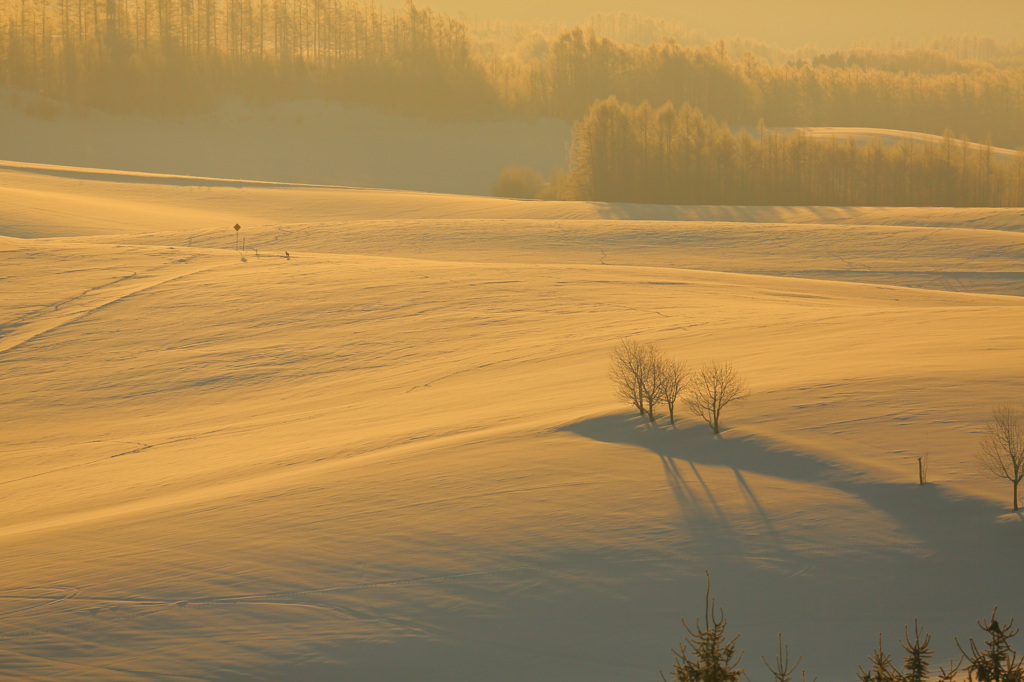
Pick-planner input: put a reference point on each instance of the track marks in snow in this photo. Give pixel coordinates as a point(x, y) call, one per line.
point(89, 301)
point(39, 597)
point(277, 478)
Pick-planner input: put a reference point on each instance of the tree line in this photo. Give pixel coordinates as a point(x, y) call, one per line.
point(578, 67)
point(709, 654)
point(621, 152)
point(181, 55)
point(160, 56)
point(947, 53)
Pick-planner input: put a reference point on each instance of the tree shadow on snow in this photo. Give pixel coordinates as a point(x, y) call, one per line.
point(942, 523)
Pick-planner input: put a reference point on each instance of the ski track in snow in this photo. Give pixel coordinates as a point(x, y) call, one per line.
point(75, 308)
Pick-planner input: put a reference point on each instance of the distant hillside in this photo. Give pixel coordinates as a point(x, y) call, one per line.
point(668, 155)
point(890, 137)
point(305, 142)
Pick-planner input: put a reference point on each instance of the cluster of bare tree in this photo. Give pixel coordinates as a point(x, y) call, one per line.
point(180, 54)
point(645, 377)
point(710, 655)
point(521, 182)
point(675, 155)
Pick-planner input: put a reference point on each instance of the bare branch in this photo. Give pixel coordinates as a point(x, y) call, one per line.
point(675, 376)
point(637, 372)
point(713, 387)
point(627, 372)
point(1002, 447)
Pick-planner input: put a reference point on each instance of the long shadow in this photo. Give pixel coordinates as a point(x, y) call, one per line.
point(145, 178)
point(710, 527)
point(686, 213)
point(946, 524)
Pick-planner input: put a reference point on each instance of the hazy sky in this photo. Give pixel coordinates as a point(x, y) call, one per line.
point(790, 22)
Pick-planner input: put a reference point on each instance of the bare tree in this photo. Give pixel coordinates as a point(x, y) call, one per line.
point(674, 376)
point(654, 363)
point(628, 372)
point(1002, 447)
point(637, 372)
point(712, 387)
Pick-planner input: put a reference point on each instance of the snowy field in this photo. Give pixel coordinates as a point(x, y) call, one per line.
point(394, 453)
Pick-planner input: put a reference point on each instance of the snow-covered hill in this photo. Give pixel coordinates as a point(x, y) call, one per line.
point(380, 443)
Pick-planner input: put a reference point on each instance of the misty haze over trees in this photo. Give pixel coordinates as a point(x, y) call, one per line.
point(162, 56)
point(672, 119)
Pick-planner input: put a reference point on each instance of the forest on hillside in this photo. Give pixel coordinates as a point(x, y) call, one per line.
point(174, 56)
point(672, 155)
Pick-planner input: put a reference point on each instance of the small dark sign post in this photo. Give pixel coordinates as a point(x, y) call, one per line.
point(237, 228)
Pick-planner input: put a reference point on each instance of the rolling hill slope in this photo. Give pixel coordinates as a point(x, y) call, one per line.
point(385, 446)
